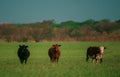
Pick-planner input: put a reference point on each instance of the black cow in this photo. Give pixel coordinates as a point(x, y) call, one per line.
point(95, 53)
point(54, 53)
point(23, 53)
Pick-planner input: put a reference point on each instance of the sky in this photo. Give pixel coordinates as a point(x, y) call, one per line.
point(29, 11)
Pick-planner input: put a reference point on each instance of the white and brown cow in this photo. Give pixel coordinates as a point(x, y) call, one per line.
point(95, 53)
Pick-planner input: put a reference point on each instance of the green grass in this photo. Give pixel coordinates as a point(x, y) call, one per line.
point(71, 64)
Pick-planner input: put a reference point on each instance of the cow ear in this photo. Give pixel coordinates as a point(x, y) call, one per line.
point(104, 47)
point(20, 46)
point(26, 46)
point(59, 45)
point(53, 45)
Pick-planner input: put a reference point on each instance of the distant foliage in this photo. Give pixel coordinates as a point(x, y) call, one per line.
point(48, 30)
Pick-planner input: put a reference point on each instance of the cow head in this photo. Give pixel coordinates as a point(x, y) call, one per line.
point(102, 49)
point(56, 47)
point(23, 47)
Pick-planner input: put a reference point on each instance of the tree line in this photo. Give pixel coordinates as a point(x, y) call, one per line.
point(49, 30)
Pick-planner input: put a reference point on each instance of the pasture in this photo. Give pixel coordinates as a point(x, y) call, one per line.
point(72, 61)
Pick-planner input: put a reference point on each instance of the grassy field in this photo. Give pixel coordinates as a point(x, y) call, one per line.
point(71, 64)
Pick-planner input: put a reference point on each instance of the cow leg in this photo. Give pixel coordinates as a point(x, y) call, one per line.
point(97, 58)
point(93, 60)
point(57, 59)
point(53, 59)
point(101, 60)
point(50, 58)
point(96, 61)
point(21, 60)
point(25, 61)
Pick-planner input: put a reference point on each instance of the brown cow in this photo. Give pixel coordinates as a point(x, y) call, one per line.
point(54, 53)
point(95, 53)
